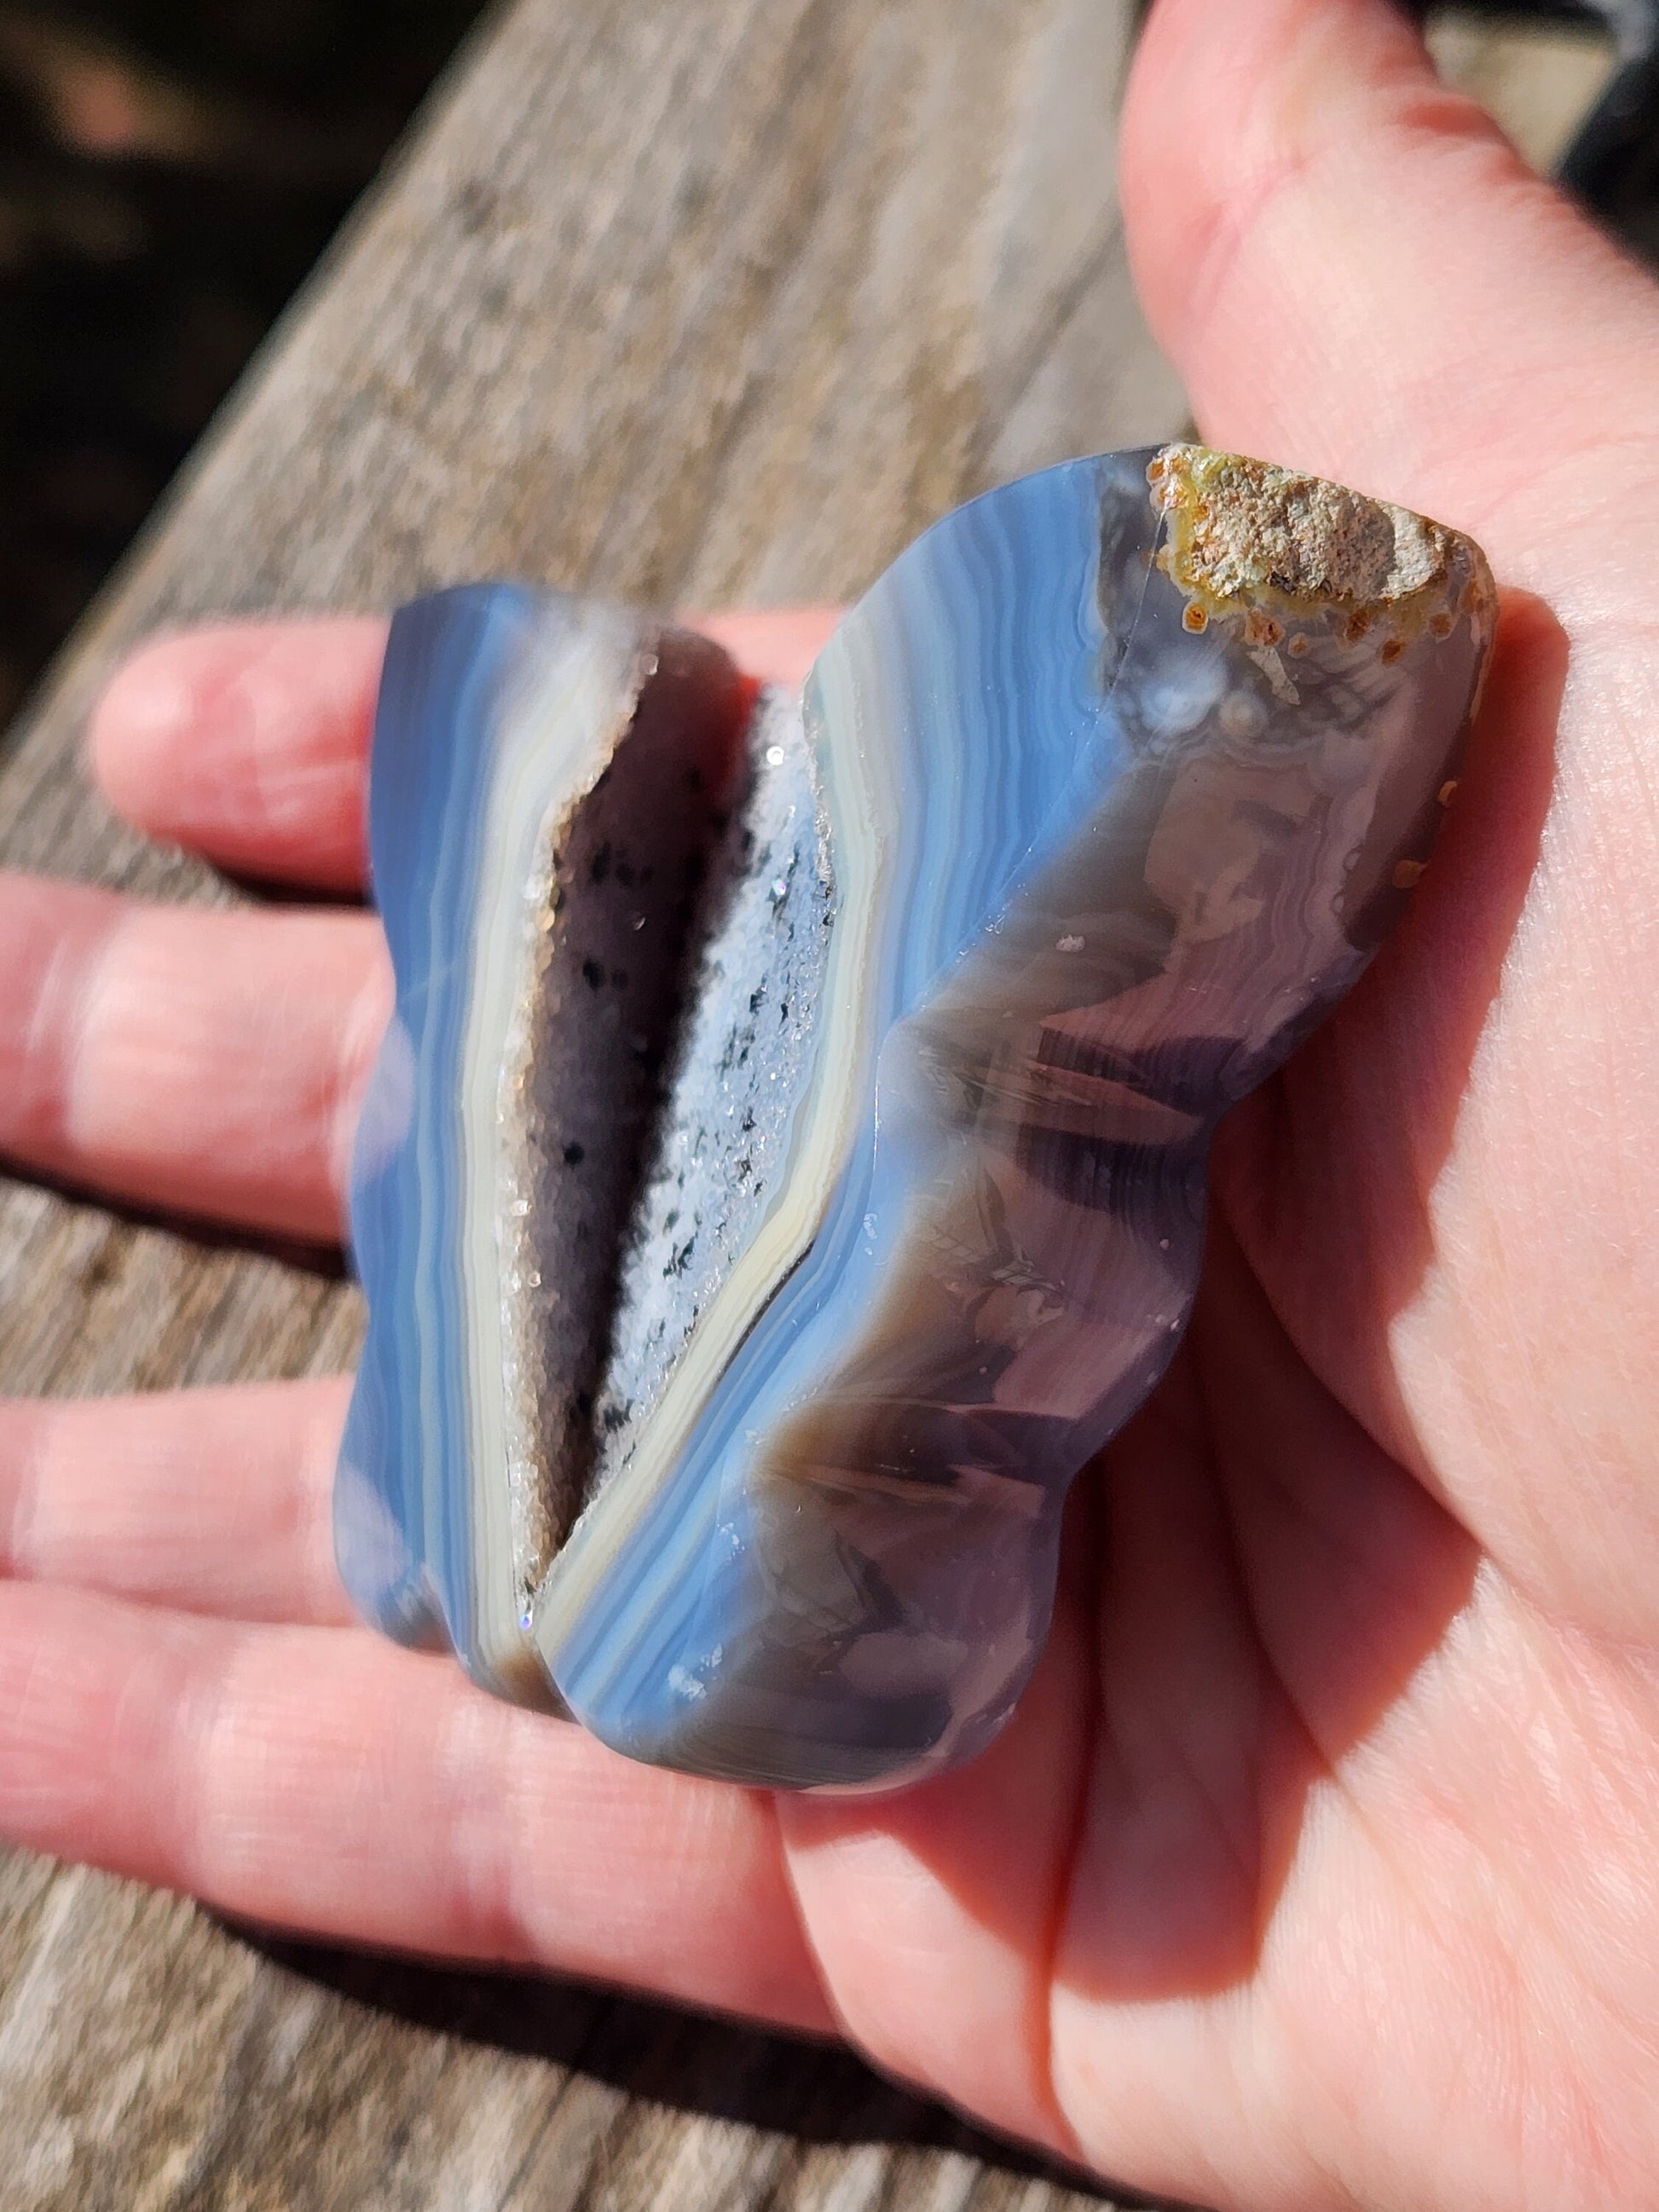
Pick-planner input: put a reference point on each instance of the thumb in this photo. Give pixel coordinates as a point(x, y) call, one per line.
point(1355, 272)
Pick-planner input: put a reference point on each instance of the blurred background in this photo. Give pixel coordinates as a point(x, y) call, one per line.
point(170, 170)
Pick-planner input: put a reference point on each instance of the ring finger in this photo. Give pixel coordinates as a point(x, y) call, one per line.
point(213, 1501)
point(208, 1062)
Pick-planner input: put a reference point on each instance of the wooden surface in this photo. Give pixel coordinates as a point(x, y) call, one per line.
point(695, 300)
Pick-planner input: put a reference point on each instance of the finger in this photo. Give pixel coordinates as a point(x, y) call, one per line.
point(248, 742)
point(207, 1501)
point(777, 644)
point(210, 1062)
point(1355, 272)
point(319, 1779)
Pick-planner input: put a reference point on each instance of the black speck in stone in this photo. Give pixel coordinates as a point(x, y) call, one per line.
point(574, 1155)
point(593, 974)
point(600, 866)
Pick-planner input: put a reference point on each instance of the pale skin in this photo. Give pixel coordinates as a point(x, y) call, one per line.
point(1321, 1865)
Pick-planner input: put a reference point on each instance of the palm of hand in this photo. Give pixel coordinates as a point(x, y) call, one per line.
point(1318, 1866)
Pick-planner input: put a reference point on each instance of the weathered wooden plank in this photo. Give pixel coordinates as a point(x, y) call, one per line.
point(688, 300)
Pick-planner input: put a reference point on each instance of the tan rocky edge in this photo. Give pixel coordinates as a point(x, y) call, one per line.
point(1267, 546)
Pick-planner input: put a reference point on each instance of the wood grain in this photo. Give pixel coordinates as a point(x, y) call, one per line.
point(691, 300)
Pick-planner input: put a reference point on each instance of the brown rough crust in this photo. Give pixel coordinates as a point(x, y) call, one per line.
point(1246, 533)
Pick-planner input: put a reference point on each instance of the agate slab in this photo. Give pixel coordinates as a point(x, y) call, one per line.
point(785, 1167)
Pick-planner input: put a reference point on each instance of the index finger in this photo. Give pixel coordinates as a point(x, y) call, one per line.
point(248, 742)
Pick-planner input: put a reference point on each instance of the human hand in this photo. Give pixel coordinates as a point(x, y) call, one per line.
point(1320, 1865)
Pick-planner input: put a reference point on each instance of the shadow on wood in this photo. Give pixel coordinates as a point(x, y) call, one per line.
point(685, 2061)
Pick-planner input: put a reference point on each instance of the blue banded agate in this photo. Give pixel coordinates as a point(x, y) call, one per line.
point(755, 1249)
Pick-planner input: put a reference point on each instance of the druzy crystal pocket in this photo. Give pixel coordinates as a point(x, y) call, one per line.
point(785, 1165)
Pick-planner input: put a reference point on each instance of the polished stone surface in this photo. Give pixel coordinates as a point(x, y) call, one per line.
point(1102, 796)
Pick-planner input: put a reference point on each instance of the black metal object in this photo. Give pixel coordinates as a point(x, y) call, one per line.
point(1613, 162)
